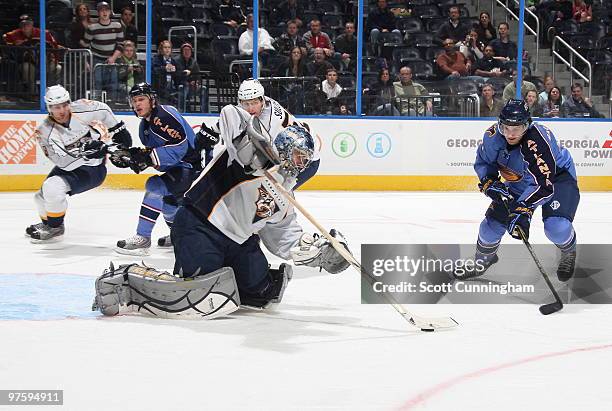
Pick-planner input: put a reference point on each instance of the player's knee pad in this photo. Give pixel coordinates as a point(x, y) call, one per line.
point(54, 190)
point(491, 231)
point(559, 230)
point(156, 186)
point(136, 288)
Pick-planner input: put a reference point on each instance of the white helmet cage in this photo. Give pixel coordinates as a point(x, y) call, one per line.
point(56, 95)
point(250, 89)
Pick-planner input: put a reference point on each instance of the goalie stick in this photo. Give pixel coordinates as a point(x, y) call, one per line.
point(423, 323)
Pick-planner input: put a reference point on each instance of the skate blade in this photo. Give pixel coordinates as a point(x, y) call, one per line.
point(138, 251)
point(51, 240)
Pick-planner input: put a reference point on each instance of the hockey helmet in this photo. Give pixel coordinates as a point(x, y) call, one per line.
point(250, 89)
point(142, 89)
point(295, 148)
point(56, 95)
point(514, 113)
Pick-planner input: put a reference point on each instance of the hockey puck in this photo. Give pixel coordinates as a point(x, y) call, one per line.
point(427, 329)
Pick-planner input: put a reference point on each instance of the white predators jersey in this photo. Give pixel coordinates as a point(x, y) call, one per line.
point(62, 144)
point(241, 204)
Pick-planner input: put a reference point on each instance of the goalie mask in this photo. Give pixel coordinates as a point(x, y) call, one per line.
point(295, 148)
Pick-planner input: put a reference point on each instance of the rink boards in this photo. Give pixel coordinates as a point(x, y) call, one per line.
point(356, 154)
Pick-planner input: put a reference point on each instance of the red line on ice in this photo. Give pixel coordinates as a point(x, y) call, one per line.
point(437, 389)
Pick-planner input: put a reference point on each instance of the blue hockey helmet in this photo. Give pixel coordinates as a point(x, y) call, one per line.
point(295, 148)
point(515, 113)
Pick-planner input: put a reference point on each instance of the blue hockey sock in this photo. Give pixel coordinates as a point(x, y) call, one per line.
point(561, 232)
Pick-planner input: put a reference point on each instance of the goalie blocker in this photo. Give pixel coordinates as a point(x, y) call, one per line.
point(135, 288)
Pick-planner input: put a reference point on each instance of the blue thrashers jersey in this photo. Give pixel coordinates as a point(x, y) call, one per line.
point(171, 137)
point(529, 168)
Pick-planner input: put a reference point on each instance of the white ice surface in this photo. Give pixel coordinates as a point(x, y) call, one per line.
point(320, 348)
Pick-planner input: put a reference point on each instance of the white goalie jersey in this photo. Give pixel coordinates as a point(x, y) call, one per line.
point(241, 204)
point(62, 143)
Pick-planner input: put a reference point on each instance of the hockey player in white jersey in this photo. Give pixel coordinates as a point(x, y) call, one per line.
point(271, 119)
point(71, 137)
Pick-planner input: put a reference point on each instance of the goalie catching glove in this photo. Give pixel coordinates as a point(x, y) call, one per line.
point(316, 251)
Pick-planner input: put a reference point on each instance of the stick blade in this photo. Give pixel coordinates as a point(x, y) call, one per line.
point(433, 323)
point(547, 309)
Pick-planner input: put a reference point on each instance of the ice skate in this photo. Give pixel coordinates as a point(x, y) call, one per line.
point(34, 227)
point(273, 293)
point(567, 264)
point(164, 242)
point(46, 234)
point(135, 245)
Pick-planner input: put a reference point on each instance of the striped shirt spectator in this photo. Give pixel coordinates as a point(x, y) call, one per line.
point(105, 37)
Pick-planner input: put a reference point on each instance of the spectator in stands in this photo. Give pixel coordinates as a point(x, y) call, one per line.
point(489, 105)
point(380, 20)
point(82, 20)
point(452, 63)
point(510, 89)
point(318, 66)
point(471, 47)
point(453, 28)
point(329, 86)
point(230, 13)
point(285, 43)
point(264, 41)
point(28, 37)
point(105, 39)
point(552, 106)
point(315, 39)
point(188, 72)
point(405, 89)
point(553, 14)
point(486, 31)
point(383, 95)
point(294, 66)
point(164, 73)
point(535, 109)
point(581, 11)
point(505, 49)
point(293, 91)
point(288, 10)
point(130, 32)
point(489, 66)
point(549, 83)
point(130, 70)
point(577, 105)
point(346, 46)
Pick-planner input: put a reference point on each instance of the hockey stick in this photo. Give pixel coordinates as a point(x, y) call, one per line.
point(425, 324)
point(546, 308)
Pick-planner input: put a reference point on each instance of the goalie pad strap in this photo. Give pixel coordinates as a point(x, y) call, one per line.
point(136, 288)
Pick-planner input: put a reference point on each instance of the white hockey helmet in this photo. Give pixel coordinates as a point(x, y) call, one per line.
point(56, 95)
point(250, 89)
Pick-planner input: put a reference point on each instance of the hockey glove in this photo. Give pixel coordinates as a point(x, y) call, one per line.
point(120, 158)
point(206, 138)
point(495, 190)
point(121, 135)
point(94, 149)
point(140, 158)
point(520, 219)
point(315, 251)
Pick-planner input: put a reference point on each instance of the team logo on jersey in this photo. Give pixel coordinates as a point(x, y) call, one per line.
point(265, 205)
point(509, 174)
point(555, 205)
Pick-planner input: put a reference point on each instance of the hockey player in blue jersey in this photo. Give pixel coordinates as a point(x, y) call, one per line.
point(536, 172)
point(170, 147)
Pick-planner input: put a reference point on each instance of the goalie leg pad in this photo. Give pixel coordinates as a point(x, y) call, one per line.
point(136, 288)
